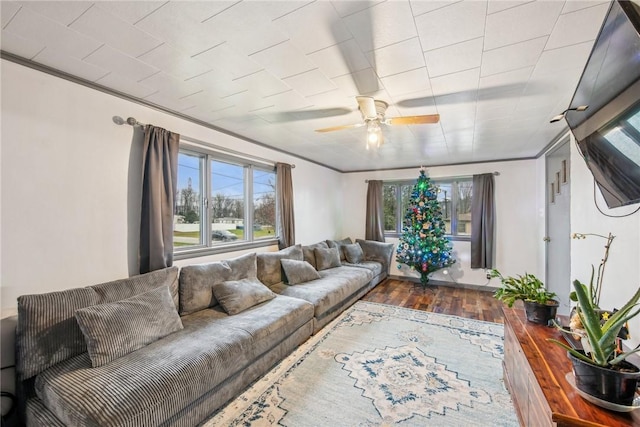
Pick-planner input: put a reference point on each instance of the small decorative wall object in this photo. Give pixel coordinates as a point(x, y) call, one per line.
point(558, 182)
point(553, 192)
point(564, 172)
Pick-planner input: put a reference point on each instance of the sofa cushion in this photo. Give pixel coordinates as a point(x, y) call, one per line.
point(236, 296)
point(339, 244)
point(334, 287)
point(115, 329)
point(374, 266)
point(269, 267)
point(243, 267)
point(149, 386)
point(47, 331)
point(196, 285)
point(327, 258)
point(353, 253)
point(378, 251)
point(197, 281)
point(309, 256)
point(298, 271)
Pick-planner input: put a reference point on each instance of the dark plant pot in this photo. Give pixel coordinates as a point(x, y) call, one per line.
point(611, 385)
point(541, 313)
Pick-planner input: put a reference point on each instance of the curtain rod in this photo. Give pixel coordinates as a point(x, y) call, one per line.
point(447, 177)
point(133, 122)
point(130, 121)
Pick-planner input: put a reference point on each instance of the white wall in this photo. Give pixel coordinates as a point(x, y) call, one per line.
point(622, 274)
point(71, 184)
point(517, 216)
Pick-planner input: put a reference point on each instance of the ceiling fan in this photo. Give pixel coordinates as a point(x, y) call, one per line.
point(373, 111)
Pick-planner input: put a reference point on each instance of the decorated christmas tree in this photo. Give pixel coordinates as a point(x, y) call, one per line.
point(423, 246)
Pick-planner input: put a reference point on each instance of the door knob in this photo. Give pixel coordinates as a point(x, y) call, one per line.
point(546, 239)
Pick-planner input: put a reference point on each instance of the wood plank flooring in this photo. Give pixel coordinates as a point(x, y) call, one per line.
point(469, 303)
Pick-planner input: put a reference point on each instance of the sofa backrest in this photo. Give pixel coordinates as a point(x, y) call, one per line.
point(47, 331)
point(269, 266)
point(197, 281)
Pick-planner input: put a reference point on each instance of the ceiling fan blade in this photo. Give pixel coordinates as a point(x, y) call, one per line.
point(298, 115)
point(367, 107)
point(365, 80)
point(485, 93)
point(413, 120)
point(331, 129)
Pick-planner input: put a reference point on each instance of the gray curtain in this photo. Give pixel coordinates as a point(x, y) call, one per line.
point(482, 221)
point(284, 208)
point(374, 223)
point(159, 182)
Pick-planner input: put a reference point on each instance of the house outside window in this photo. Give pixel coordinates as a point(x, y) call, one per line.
point(454, 196)
point(222, 203)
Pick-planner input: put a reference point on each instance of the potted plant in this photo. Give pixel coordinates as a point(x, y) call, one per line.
point(594, 290)
point(539, 304)
point(602, 370)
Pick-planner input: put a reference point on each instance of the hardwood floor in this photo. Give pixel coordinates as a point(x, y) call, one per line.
point(469, 303)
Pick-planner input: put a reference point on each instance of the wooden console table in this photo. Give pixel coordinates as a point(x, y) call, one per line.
point(534, 373)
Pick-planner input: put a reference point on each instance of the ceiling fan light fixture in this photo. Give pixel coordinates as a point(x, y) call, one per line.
point(374, 134)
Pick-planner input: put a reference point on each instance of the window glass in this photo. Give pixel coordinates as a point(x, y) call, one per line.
point(227, 202)
point(405, 199)
point(454, 197)
point(264, 204)
point(390, 207)
point(222, 201)
point(187, 226)
point(463, 208)
point(445, 199)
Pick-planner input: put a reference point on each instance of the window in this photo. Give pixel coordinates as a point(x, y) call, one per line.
point(454, 196)
point(222, 201)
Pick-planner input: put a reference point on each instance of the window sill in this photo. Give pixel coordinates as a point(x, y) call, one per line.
point(223, 248)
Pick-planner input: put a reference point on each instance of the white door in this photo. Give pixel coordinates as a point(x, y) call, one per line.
point(558, 238)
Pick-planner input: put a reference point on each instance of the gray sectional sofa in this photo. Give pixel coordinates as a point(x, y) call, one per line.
point(171, 347)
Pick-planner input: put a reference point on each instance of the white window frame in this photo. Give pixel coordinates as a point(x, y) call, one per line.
point(249, 242)
point(437, 182)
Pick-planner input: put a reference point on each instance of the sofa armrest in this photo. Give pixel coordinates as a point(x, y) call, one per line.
point(377, 251)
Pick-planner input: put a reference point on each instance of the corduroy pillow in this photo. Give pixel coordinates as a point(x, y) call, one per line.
point(327, 258)
point(307, 252)
point(236, 296)
point(269, 266)
point(340, 244)
point(298, 271)
point(353, 253)
point(115, 329)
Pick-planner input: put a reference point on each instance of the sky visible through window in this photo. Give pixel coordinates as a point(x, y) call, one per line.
point(227, 178)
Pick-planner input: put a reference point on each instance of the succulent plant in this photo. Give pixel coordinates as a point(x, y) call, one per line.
point(601, 336)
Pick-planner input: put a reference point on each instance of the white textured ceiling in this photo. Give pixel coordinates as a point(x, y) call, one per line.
point(273, 71)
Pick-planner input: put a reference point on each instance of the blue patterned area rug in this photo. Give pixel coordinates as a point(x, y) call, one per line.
point(381, 365)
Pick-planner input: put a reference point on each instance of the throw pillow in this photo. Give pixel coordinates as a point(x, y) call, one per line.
point(340, 244)
point(298, 271)
point(307, 252)
point(115, 329)
point(327, 258)
point(353, 253)
point(196, 282)
point(243, 267)
point(236, 296)
point(269, 267)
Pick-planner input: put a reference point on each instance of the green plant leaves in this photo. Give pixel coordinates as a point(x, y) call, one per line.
point(602, 336)
point(525, 287)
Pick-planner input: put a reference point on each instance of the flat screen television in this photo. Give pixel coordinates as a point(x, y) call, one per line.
point(608, 132)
